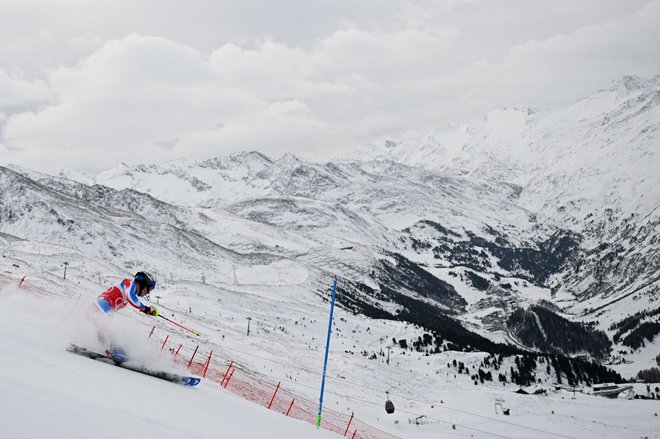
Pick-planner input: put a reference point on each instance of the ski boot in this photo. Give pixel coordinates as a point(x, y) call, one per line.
point(117, 354)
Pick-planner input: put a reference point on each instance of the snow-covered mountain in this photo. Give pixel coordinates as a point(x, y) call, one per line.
point(461, 232)
point(590, 170)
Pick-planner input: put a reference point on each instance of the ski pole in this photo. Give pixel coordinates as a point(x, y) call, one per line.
point(180, 326)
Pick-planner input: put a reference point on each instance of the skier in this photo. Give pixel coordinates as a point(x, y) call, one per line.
point(117, 297)
point(111, 300)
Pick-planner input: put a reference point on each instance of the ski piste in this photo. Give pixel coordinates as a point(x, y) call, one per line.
point(172, 377)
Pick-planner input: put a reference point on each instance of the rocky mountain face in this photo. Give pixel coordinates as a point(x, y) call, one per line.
point(588, 176)
point(118, 227)
point(590, 168)
point(504, 234)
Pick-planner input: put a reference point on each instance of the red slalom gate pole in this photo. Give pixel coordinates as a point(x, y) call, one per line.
point(165, 342)
point(151, 333)
point(206, 367)
point(21, 282)
point(349, 424)
point(224, 377)
point(179, 325)
point(354, 433)
point(290, 405)
point(273, 398)
point(178, 349)
point(230, 375)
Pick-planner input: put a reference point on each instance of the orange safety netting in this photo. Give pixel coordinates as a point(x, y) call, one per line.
point(232, 377)
point(24, 285)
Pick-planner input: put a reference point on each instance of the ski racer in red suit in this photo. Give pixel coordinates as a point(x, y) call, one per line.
point(128, 291)
point(117, 297)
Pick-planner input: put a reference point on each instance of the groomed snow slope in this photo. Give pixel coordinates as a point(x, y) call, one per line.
point(47, 392)
point(50, 393)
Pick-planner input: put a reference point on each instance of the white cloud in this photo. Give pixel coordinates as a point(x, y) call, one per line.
point(16, 91)
point(148, 97)
point(361, 75)
point(125, 101)
point(563, 67)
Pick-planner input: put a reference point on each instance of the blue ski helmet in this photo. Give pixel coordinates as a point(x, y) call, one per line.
point(145, 280)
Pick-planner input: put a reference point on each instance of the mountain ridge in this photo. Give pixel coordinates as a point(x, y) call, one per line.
point(517, 208)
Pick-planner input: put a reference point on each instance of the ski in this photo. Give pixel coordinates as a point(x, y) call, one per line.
point(108, 359)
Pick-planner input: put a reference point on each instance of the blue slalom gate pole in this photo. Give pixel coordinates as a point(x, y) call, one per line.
point(327, 348)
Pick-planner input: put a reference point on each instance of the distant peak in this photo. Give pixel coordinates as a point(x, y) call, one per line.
point(630, 83)
point(121, 169)
point(242, 155)
point(289, 158)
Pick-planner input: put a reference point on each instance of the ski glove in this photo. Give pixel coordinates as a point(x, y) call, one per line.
point(151, 311)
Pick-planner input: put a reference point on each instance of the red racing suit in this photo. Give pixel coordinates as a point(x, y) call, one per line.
point(118, 296)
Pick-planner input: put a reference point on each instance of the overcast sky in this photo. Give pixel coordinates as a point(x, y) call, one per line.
point(90, 84)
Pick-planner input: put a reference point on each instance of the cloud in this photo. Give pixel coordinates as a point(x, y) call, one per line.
point(124, 101)
point(144, 97)
point(572, 64)
point(16, 92)
point(395, 73)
